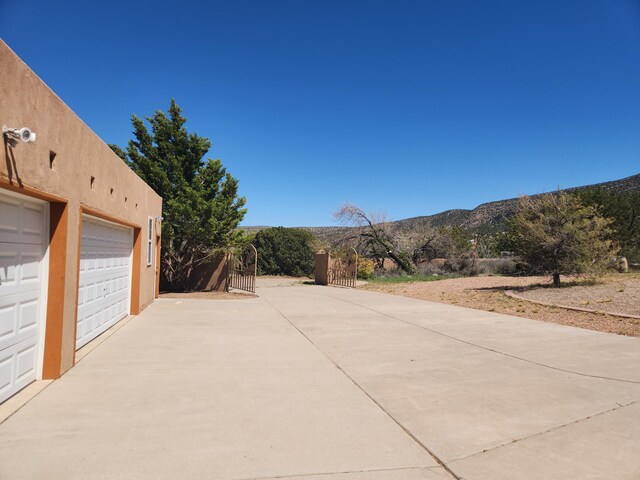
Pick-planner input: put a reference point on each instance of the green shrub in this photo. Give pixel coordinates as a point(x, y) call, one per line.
point(284, 251)
point(365, 268)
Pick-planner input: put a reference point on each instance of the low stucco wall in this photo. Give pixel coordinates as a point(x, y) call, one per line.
point(212, 275)
point(80, 156)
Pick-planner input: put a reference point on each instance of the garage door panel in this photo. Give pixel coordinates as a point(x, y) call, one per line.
point(30, 271)
point(32, 226)
point(92, 260)
point(8, 315)
point(6, 372)
point(21, 221)
point(20, 267)
point(91, 307)
point(17, 367)
point(26, 360)
point(95, 287)
point(105, 277)
point(9, 219)
point(8, 267)
point(19, 318)
point(105, 235)
point(28, 315)
point(18, 347)
point(96, 274)
point(99, 318)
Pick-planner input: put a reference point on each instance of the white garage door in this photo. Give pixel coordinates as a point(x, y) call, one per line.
point(23, 241)
point(105, 277)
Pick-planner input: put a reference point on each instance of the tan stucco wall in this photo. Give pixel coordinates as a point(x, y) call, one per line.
point(25, 101)
point(212, 275)
point(321, 270)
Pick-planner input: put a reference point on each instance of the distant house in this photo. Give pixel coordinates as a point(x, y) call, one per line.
point(79, 233)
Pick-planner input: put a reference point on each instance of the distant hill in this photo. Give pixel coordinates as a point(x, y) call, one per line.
point(485, 218)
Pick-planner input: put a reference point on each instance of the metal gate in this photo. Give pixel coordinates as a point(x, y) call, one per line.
point(243, 267)
point(343, 267)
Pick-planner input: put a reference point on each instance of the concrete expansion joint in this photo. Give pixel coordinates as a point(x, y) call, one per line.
point(482, 347)
point(375, 402)
point(544, 432)
point(345, 472)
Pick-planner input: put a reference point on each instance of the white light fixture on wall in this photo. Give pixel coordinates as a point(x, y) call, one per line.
point(25, 134)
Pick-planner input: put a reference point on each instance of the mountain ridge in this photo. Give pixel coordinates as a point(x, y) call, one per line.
point(485, 218)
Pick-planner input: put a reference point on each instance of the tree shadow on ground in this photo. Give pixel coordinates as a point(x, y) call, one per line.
point(580, 282)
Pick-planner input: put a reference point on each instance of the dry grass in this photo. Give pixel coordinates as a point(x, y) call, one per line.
point(487, 293)
point(613, 294)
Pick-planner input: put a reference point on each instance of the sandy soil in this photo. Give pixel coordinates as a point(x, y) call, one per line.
point(487, 293)
point(619, 294)
point(265, 281)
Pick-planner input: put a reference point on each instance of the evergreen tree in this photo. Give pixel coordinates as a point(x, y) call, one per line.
point(285, 251)
point(201, 206)
point(624, 209)
point(555, 234)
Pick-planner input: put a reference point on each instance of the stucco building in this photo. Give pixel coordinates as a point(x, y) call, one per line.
point(79, 233)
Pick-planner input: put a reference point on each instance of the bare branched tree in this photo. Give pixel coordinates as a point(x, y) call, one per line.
point(421, 242)
point(374, 229)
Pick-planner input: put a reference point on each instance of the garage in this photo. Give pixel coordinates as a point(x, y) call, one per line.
point(23, 272)
point(104, 288)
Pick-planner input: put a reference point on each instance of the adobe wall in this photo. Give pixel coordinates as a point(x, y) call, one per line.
point(117, 192)
point(321, 268)
point(212, 275)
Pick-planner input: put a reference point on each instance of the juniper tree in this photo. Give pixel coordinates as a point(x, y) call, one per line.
point(201, 206)
point(555, 234)
point(624, 209)
point(285, 251)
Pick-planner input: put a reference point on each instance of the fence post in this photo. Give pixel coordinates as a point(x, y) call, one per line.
point(227, 270)
point(322, 268)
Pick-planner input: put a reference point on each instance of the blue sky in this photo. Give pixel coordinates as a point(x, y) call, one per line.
point(407, 107)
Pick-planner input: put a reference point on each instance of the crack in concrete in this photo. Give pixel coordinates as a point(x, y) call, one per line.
point(544, 432)
point(347, 472)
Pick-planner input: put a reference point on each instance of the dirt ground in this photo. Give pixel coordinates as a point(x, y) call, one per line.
point(210, 295)
point(619, 293)
point(616, 294)
point(264, 281)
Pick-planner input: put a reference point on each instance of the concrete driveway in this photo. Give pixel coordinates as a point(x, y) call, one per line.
point(324, 383)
